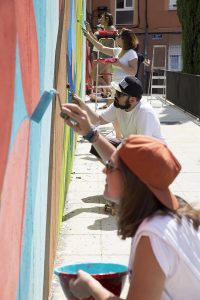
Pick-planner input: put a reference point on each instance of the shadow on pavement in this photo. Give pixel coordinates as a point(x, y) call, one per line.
point(94, 199)
point(107, 224)
point(170, 122)
point(78, 211)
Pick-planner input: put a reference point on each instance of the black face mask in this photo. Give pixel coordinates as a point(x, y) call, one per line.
point(126, 106)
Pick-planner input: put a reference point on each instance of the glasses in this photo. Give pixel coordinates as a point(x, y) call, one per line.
point(110, 167)
point(120, 94)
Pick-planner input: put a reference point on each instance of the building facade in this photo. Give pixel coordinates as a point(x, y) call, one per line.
point(154, 22)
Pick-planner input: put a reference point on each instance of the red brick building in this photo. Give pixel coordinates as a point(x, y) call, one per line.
point(154, 22)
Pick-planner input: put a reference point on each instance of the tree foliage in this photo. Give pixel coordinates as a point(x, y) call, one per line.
point(189, 16)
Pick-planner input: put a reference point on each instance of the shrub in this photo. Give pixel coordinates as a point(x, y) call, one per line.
point(189, 15)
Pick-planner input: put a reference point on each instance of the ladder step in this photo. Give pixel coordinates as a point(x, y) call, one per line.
point(158, 86)
point(158, 77)
point(102, 86)
point(157, 68)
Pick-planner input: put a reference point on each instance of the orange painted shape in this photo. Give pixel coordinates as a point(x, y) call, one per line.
point(28, 52)
point(12, 213)
point(7, 78)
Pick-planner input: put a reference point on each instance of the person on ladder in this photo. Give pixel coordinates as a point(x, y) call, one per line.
point(106, 24)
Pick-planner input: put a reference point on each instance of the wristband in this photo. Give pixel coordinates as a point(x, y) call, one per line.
point(92, 135)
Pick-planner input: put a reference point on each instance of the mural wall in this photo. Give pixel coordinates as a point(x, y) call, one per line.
point(41, 43)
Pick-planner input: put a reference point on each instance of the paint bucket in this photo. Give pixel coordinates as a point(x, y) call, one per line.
point(112, 276)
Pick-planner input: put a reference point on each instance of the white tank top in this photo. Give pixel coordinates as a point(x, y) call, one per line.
point(177, 250)
point(118, 73)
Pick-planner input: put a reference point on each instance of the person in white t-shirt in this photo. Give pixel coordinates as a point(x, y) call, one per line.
point(126, 57)
point(165, 230)
point(134, 115)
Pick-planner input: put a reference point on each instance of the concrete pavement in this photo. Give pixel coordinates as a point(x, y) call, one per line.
point(88, 232)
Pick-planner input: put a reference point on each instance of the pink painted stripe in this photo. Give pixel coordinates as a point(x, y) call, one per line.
point(12, 213)
point(7, 78)
point(28, 51)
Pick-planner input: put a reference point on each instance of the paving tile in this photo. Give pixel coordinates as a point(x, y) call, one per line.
point(93, 196)
point(80, 244)
point(87, 165)
point(97, 187)
point(113, 245)
point(81, 226)
point(189, 181)
point(73, 259)
point(84, 209)
point(119, 259)
point(91, 177)
point(109, 224)
point(193, 198)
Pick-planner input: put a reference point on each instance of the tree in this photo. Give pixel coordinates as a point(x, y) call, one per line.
point(189, 16)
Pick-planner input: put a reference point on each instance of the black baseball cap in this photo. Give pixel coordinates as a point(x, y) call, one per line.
point(130, 85)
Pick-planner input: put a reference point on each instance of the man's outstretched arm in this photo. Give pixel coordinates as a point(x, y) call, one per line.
point(84, 127)
point(94, 117)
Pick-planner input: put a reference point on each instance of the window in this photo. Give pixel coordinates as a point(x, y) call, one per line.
point(174, 61)
point(172, 4)
point(174, 58)
point(124, 11)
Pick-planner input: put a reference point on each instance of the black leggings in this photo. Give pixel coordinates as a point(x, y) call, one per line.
point(114, 141)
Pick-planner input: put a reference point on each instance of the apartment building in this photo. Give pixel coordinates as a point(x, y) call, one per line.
point(155, 22)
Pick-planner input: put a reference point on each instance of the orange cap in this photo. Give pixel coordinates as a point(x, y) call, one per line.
point(154, 164)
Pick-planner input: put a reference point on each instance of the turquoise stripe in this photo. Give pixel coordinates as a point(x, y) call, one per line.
point(19, 109)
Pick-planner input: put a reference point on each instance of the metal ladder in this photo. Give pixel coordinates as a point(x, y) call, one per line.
point(157, 80)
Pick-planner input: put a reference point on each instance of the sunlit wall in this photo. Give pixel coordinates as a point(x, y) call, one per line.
point(41, 48)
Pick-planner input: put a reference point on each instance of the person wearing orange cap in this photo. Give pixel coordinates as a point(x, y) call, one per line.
point(165, 230)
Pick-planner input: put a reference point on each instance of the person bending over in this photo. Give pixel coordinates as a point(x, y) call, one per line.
point(165, 230)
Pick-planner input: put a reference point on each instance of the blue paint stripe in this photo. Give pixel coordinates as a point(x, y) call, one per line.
point(40, 18)
point(27, 253)
point(19, 109)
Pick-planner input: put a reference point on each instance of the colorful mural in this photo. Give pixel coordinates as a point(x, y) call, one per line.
point(41, 43)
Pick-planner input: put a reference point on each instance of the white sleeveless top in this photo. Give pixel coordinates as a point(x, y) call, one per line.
point(177, 250)
point(118, 73)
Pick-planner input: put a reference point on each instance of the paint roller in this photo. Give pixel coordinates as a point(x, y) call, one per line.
point(43, 104)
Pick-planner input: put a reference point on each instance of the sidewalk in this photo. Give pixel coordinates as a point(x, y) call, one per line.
point(88, 232)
